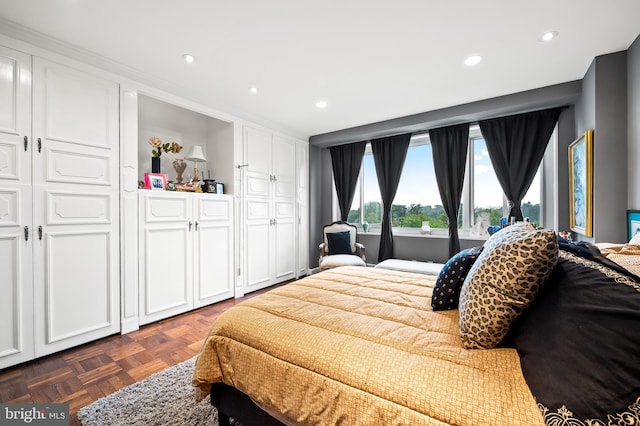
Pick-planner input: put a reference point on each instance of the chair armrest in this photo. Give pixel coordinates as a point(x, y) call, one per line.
point(360, 251)
point(322, 252)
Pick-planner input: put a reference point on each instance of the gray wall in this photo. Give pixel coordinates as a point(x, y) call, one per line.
point(633, 125)
point(603, 108)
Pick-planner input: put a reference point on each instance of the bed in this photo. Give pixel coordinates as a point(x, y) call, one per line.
point(358, 345)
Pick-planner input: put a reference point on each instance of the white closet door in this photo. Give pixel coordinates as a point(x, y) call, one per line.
point(75, 199)
point(16, 280)
point(258, 157)
point(166, 255)
point(284, 239)
point(15, 117)
point(213, 249)
point(259, 230)
point(284, 167)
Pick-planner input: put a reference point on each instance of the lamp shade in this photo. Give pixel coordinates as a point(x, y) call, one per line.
point(196, 154)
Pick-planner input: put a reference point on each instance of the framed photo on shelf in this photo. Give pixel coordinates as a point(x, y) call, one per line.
point(155, 181)
point(581, 184)
point(633, 223)
point(219, 188)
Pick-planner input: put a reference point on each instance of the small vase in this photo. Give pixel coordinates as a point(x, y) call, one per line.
point(365, 226)
point(155, 164)
point(179, 166)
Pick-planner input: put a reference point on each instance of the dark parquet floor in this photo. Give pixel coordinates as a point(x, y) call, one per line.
point(86, 373)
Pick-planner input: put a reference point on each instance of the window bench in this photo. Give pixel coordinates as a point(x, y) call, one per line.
point(428, 268)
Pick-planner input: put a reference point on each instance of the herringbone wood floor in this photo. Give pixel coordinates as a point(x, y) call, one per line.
point(86, 373)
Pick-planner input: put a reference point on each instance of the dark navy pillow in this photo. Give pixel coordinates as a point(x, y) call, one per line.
point(447, 289)
point(339, 242)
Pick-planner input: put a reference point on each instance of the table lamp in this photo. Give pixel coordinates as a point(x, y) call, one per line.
point(195, 155)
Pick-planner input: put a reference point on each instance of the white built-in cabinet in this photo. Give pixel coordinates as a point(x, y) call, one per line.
point(16, 224)
point(83, 253)
point(186, 252)
point(271, 219)
point(59, 222)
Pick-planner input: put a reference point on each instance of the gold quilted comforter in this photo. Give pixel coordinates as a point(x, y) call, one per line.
point(356, 345)
point(626, 255)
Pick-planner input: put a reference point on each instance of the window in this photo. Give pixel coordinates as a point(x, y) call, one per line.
point(488, 200)
point(418, 198)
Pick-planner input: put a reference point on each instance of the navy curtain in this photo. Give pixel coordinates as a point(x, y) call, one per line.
point(388, 155)
point(516, 145)
point(346, 161)
point(449, 147)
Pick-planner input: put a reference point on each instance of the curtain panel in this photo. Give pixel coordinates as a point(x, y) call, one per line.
point(346, 161)
point(449, 147)
point(516, 145)
point(388, 155)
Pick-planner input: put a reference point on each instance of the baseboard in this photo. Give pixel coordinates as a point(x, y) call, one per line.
point(129, 325)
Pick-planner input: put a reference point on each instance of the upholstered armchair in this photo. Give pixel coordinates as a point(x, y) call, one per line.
point(339, 246)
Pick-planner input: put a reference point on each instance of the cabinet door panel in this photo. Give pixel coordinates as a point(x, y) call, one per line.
point(284, 158)
point(257, 185)
point(285, 189)
point(284, 248)
point(165, 208)
point(75, 117)
point(77, 166)
point(213, 253)
point(257, 151)
point(78, 207)
point(257, 155)
point(258, 210)
point(214, 262)
point(258, 255)
point(167, 273)
point(15, 115)
point(284, 166)
point(10, 157)
point(16, 308)
point(210, 208)
point(91, 100)
point(77, 296)
point(11, 203)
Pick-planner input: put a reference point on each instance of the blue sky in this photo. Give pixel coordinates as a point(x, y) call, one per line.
point(418, 181)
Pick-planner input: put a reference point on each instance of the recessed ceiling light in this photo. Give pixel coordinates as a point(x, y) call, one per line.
point(188, 58)
point(321, 104)
point(548, 36)
point(472, 60)
point(253, 89)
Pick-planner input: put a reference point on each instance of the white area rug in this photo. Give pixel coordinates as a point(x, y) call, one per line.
point(164, 398)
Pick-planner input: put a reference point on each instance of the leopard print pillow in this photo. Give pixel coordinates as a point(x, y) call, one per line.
point(514, 264)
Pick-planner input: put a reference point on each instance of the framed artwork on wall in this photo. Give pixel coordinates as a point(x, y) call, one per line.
point(633, 223)
point(581, 184)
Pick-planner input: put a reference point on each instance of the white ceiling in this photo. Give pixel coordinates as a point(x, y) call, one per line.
point(371, 60)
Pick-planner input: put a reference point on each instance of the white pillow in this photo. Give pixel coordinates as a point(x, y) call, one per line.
point(635, 239)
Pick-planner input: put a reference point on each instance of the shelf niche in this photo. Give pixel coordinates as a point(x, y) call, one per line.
point(171, 123)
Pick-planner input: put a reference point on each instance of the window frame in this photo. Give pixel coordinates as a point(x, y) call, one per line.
point(467, 200)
